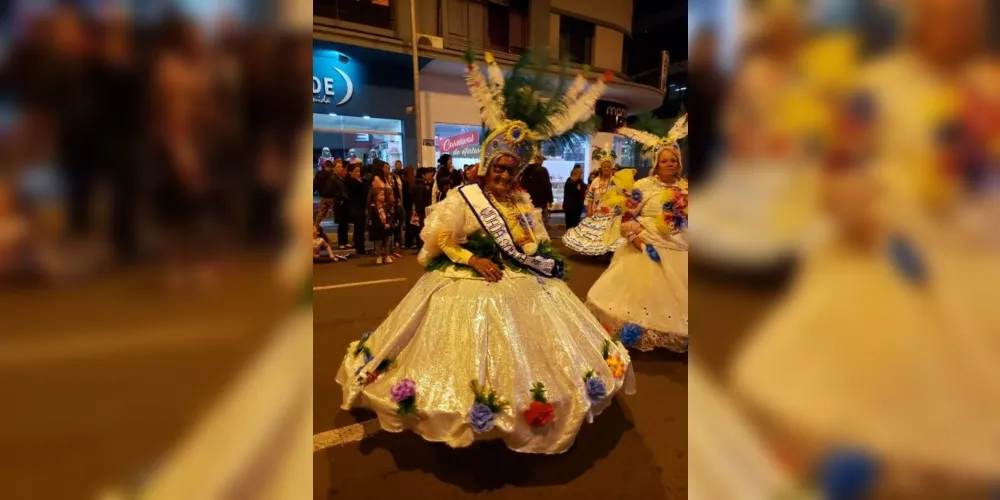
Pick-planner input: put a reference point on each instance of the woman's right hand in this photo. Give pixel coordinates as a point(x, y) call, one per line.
point(487, 269)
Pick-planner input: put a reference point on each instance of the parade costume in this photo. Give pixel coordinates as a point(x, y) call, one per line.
point(892, 347)
point(461, 359)
point(599, 233)
point(643, 295)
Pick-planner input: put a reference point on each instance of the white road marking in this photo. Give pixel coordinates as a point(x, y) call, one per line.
point(345, 435)
point(359, 283)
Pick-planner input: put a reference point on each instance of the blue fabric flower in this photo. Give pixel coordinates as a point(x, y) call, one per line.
point(630, 333)
point(596, 390)
point(618, 210)
point(668, 206)
point(906, 259)
point(847, 474)
point(364, 336)
point(680, 222)
point(653, 254)
point(636, 195)
point(481, 418)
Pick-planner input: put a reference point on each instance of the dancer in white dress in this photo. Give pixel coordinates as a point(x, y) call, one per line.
point(490, 343)
point(886, 342)
point(642, 298)
point(600, 232)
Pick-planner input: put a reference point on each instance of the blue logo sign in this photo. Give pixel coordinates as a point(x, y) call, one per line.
point(324, 88)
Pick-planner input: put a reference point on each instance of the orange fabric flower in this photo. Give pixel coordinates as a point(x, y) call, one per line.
point(617, 366)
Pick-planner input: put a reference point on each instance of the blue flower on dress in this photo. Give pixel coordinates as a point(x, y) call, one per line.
point(368, 357)
point(630, 334)
point(680, 222)
point(596, 390)
point(848, 473)
point(636, 195)
point(618, 210)
point(481, 418)
point(653, 254)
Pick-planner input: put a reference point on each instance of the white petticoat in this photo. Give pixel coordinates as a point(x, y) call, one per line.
point(856, 355)
point(635, 289)
point(597, 235)
point(453, 328)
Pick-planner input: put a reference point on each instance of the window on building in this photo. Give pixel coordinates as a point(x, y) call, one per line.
point(496, 25)
point(374, 13)
point(576, 40)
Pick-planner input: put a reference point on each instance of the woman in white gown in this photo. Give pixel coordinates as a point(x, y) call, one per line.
point(600, 232)
point(887, 341)
point(490, 343)
point(643, 296)
point(753, 213)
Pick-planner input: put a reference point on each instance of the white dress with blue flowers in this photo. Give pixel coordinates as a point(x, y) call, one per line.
point(600, 233)
point(637, 295)
point(454, 328)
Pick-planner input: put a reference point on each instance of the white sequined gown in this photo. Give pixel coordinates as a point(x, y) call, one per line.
point(635, 289)
point(453, 327)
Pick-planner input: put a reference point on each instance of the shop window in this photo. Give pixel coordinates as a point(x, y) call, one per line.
point(559, 161)
point(576, 40)
point(460, 141)
point(361, 138)
point(374, 13)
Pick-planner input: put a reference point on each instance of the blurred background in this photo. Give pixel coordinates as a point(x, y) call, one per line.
point(146, 158)
point(844, 162)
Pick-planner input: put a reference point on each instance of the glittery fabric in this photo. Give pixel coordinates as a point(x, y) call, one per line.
point(635, 289)
point(454, 327)
point(508, 335)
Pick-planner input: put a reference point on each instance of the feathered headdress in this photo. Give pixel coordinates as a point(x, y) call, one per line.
point(517, 115)
point(654, 143)
point(601, 155)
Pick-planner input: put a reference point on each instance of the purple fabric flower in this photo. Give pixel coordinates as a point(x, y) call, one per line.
point(403, 390)
point(368, 357)
point(636, 195)
point(364, 336)
point(482, 418)
point(596, 390)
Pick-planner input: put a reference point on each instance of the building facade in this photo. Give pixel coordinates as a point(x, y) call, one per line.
point(363, 74)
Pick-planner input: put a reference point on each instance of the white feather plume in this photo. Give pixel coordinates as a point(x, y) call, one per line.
point(489, 110)
point(679, 130)
point(573, 91)
point(496, 82)
point(579, 110)
point(645, 138)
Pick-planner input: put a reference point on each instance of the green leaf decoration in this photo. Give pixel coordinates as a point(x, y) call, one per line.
point(407, 407)
point(588, 375)
point(607, 349)
point(481, 245)
point(538, 392)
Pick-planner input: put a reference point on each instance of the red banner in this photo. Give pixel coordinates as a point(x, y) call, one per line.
point(459, 141)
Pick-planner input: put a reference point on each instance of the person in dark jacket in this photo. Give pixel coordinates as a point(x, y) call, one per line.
point(409, 182)
point(357, 194)
point(422, 197)
point(537, 182)
point(573, 193)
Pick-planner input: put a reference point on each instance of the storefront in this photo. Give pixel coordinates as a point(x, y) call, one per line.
point(361, 99)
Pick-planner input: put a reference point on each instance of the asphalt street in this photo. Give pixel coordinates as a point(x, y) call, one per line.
point(101, 378)
point(636, 449)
